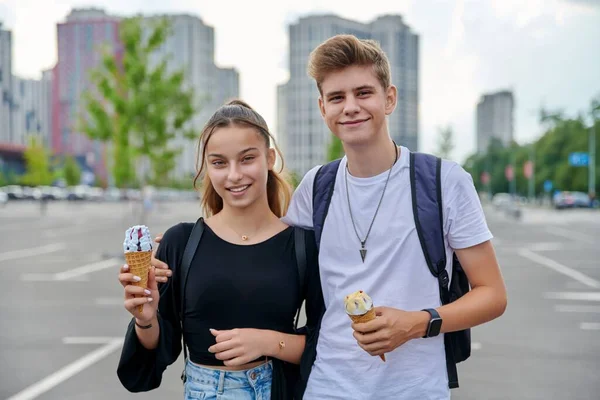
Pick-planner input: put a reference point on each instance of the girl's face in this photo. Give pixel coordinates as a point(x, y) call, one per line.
point(238, 161)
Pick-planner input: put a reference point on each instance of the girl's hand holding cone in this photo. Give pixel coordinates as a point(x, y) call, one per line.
point(136, 296)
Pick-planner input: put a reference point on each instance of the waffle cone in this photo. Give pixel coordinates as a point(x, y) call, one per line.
point(366, 317)
point(139, 265)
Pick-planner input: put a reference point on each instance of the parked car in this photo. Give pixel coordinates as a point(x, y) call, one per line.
point(571, 200)
point(14, 192)
point(79, 192)
point(502, 201)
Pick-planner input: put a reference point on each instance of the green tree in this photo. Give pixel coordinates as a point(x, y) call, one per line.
point(294, 179)
point(37, 164)
point(445, 142)
point(138, 105)
point(71, 171)
point(335, 149)
point(563, 135)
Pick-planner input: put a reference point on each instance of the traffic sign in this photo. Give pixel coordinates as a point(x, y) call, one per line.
point(548, 186)
point(579, 159)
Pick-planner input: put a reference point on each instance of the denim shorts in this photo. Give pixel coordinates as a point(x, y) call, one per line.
point(215, 384)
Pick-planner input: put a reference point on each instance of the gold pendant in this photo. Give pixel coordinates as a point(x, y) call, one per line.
point(244, 237)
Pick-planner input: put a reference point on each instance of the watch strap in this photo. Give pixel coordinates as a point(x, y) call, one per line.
point(432, 312)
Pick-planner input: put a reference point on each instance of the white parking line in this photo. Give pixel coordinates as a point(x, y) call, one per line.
point(475, 346)
point(546, 246)
point(87, 269)
point(569, 234)
point(576, 296)
point(34, 251)
point(109, 301)
point(575, 308)
point(74, 274)
point(44, 277)
point(590, 326)
point(563, 269)
point(70, 370)
point(89, 339)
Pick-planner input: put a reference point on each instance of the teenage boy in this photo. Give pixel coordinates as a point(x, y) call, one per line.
point(369, 242)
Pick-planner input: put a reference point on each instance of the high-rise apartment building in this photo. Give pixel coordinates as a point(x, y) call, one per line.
point(6, 86)
point(31, 109)
point(81, 41)
point(45, 111)
point(301, 129)
point(191, 47)
point(281, 134)
point(495, 119)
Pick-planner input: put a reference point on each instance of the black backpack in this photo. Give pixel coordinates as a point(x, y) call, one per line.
point(188, 255)
point(426, 190)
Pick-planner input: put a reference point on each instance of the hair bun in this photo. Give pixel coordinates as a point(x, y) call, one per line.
point(238, 102)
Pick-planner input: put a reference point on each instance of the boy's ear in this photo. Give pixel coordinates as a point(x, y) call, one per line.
point(322, 106)
point(391, 99)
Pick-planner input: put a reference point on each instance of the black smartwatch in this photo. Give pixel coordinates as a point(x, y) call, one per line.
point(435, 323)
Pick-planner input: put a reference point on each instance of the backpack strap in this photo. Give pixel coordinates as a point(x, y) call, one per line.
point(425, 184)
point(184, 270)
point(426, 190)
point(322, 191)
point(300, 250)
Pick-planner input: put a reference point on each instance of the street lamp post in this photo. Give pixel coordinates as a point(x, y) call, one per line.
point(592, 158)
point(532, 177)
point(513, 181)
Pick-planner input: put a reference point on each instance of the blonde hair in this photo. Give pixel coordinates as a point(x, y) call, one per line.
point(341, 51)
point(237, 112)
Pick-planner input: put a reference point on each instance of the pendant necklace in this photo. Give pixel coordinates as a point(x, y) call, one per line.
point(363, 242)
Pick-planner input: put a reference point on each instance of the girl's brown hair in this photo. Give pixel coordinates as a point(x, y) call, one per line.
point(343, 51)
point(239, 113)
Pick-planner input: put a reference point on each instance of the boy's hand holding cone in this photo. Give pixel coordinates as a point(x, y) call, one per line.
point(359, 308)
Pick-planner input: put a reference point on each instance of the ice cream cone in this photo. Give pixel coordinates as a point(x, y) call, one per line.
point(139, 265)
point(366, 317)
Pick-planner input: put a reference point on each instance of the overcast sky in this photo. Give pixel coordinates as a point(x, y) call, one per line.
point(546, 51)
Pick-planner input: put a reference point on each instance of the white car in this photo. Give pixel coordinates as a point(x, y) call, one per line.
point(502, 200)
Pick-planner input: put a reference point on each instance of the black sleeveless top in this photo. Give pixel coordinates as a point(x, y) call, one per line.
point(237, 286)
point(229, 286)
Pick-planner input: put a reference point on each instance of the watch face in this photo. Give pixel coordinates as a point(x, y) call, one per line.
point(434, 326)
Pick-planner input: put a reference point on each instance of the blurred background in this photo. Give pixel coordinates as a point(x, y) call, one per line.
point(102, 103)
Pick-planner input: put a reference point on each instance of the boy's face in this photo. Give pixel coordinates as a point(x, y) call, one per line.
point(354, 104)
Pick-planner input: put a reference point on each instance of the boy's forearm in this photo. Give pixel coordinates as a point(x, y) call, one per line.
point(480, 305)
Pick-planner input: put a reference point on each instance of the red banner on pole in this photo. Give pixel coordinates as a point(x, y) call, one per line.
point(509, 173)
point(485, 177)
point(528, 169)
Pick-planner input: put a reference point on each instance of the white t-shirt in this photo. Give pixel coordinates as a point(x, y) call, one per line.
point(394, 274)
